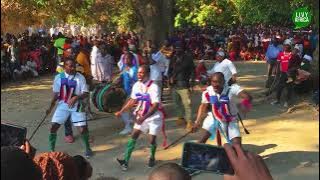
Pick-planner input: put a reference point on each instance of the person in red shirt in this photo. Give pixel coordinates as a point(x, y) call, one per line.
point(294, 65)
point(67, 48)
point(283, 59)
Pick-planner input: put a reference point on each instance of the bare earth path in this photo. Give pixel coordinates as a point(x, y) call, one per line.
point(288, 142)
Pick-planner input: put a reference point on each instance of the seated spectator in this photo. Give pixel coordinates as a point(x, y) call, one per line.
point(35, 56)
point(197, 53)
point(232, 55)
point(303, 73)
point(31, 66)
point(19, 72)
point(244, 55)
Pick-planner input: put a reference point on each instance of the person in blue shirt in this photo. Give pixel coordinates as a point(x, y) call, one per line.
point(129, 77)
point(271, 57)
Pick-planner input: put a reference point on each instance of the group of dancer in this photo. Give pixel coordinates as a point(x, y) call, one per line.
point(219, 102)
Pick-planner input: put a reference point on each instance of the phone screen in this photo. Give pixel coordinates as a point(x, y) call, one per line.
point(206, 158)
point(12, 135)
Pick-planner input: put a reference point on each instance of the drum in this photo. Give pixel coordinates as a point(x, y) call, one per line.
point(95, 93)
point(100, 96)
point(112, 99)
point(109, 97)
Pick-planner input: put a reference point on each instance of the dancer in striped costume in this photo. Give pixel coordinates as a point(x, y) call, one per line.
point(69, 89)
point(219, 102)
point(149, 116)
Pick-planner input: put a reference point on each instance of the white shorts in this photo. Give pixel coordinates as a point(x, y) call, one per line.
point(62, 113)
point(233, 128)
point(153, 124)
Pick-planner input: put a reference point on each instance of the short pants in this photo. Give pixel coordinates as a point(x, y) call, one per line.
point(233, 128)
point(62, 113)
point(153, 124)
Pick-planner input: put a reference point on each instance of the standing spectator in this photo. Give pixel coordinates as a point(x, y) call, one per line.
point(201, 71)
point(94, 57)
point(104, 65)
point(155, 68)
point(58, 43)
point(284, 58)
point(181, 70)
point(271, 57)
point(226, 67)
point(14, 52)
point(129, 77)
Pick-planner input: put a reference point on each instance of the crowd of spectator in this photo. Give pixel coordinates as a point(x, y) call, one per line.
point(30, 54)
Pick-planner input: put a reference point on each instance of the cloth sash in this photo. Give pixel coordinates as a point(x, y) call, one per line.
point(67, 88)
point(220, 107)
point(216, 126)
point(144, 104)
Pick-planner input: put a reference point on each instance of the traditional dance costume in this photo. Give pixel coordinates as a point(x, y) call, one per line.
point(69, 86)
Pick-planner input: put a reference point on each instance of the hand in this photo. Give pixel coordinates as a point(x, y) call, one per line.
point(31, 151)
point(245, 106)
point(117, 114)
point(72, 101)
point(139, 120)
point(196, 126)
point(48, 111)
point(191, 89)
point(171, 81)
point(246, 165)
point(234, 79)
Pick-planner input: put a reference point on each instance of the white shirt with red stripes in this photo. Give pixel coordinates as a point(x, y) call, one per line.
point(233, 93)
point(153, 90)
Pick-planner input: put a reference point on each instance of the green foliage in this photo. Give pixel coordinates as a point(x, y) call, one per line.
point(124, 18)
point(204, 12)
point(120, 13)
point(227, 12)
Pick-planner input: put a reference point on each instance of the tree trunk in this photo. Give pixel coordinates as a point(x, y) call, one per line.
point(155, 19)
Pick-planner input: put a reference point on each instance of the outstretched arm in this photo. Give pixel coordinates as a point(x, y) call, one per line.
point(202, 111)
point(127, 106)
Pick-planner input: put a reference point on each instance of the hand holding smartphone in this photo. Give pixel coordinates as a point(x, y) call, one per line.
point(12, 135)
point(231, 161)
point(206, 157)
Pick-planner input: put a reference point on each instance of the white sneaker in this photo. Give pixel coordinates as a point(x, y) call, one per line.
point(275, 103)
point(125, 131)
point(285, 104)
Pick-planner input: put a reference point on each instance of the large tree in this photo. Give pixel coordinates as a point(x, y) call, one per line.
point(154, 18)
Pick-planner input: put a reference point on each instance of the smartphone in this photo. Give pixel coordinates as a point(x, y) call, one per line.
point(12, 135)
point(206, 157)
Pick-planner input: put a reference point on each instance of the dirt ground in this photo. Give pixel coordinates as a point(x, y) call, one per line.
point(289, 142)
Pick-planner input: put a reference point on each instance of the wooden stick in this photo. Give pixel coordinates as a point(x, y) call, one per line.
point(245, 129)
point(43, 119)
point(177, 140)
